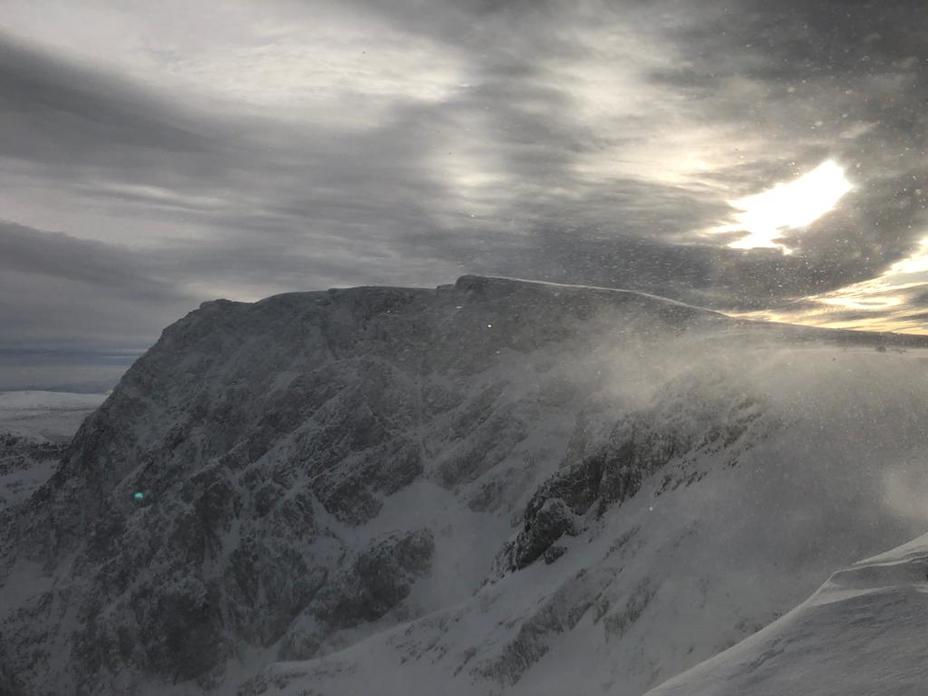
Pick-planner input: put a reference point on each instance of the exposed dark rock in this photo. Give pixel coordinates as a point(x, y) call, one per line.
point(617, 623)
point(25, 464)
point(378, 581)
point(552, 553)
point(679, 426)
point(547, 523)
point(560, 613)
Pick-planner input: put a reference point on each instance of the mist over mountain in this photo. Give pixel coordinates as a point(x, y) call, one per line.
point(491, 487)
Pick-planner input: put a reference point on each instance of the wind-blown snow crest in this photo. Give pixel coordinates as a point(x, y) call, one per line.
point(861, 633)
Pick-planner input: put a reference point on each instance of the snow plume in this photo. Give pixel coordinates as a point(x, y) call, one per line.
point(864, 402)
point(906, 490)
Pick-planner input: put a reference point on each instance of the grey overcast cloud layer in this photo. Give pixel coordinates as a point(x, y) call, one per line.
point(155, 155)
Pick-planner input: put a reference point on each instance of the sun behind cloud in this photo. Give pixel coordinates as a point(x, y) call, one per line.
point(786, 206)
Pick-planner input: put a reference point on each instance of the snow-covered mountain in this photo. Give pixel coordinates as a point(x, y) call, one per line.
point(35, 427)
point(861, 633)
point(493, 487)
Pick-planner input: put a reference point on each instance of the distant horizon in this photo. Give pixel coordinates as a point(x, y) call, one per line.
point(75, 371)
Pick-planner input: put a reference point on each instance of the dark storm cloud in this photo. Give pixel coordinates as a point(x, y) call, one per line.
point(545, 157)
point(56, 290)
point(58, 113)
point(271, 189)
point(380, 193)
point(34, 252)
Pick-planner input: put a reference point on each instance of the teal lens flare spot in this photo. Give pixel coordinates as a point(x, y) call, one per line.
point(138, 496)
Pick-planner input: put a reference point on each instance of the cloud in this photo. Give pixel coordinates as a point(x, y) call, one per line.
point(59, 291)
point(242, 150)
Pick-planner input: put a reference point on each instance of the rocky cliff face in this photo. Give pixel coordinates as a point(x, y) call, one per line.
point(490, 487)
point(25, 464)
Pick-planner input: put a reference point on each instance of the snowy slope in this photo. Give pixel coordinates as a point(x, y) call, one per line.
point(861, 633)
point(491, 487)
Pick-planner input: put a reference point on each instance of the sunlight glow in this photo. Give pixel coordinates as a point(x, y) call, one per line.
point(787, 206)
point(890, 302)
point(916, 263)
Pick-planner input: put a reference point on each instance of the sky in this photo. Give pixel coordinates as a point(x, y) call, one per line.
point(766, 159)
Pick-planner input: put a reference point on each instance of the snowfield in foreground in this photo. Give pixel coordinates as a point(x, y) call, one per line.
point(862, 633)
